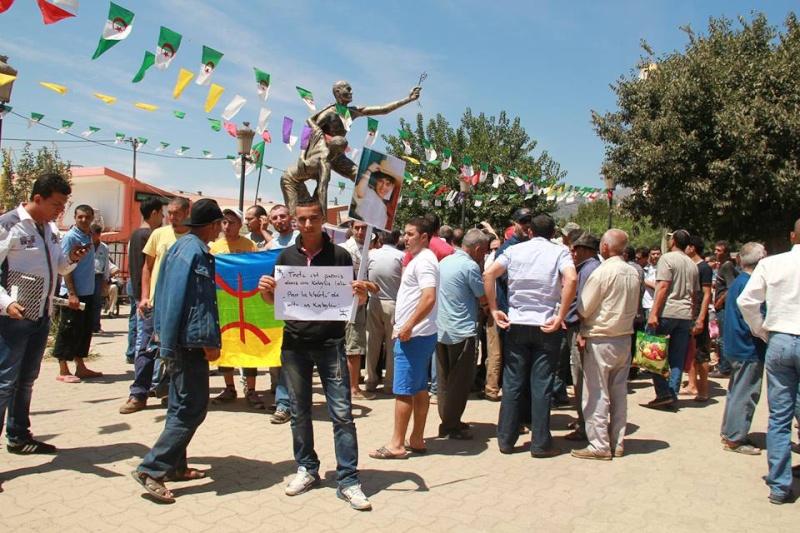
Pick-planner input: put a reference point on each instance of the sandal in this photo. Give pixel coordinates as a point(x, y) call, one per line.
point(189, 474)
point(383, 453)
point(744, 448)
point(422, 451)
point(154, 488)
point(68, 378)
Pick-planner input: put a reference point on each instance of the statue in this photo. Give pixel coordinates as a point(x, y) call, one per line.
point(327, 145)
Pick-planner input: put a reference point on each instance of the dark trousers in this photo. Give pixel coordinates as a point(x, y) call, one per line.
point(455, 372)
point(74, 336)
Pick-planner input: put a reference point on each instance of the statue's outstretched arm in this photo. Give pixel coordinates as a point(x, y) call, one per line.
point(385, 109)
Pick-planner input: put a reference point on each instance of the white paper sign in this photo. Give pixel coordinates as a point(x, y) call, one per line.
point(313, 293)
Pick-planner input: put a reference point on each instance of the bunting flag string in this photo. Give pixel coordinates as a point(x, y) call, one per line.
point(118, 26)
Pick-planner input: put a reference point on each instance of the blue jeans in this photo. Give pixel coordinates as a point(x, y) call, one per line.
point(783, 377)
point(130, 352)
point(144, 360)
point(724, 365)
point(331, 362)
point(22, 344)
point(678, 331)
point(434, 389)
point(188, 405)
point(744, 391)
point(282, 393)
point(530, 360)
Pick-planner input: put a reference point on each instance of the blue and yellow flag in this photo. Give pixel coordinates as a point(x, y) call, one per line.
point(251, 337)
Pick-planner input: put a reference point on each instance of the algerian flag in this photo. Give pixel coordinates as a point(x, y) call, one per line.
point(466, 169)
point(35, 119)
point(207, 154)
point(162, 147)
point(179, 114)
point(257, 153)
point(498, 179)
point(211, 59)
point(65, 125)
point(404, 138)
point(448, 159)
point(148, 61)
point(292, 142)
point(168, 44)
point(146, 107)
point(344, 113)
point(90, 131)
point(184, 77)
point(263, 120)
point(237, 166)
point(216, 125)
point(60, 89)
point(182, 150)
point(483, 173)
point(308, 98)
point(518, 181)
point(262, 83)
point(372, 132)
point(478, 200)
point(105, 98)
point(430, 152)
point(140, 141)
point(341, 187)
point(51, 13)
point(214, 92)
point(118, 138)
point(234, 107)
point(117, 27)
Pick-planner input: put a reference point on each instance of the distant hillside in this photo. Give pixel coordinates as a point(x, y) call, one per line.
point(567, 211)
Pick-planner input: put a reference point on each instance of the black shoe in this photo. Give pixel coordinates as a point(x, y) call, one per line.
point(557, 404)
point(552, 452)
point(718, 375)
point(129, 360)
point(781, 499)
point(460, 435)
point(660, 403)
point(31, 447)
point(506, 451)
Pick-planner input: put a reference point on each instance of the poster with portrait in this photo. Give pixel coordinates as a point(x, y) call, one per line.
point(377, 189)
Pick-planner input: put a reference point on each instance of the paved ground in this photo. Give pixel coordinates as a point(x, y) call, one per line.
point(674, 475)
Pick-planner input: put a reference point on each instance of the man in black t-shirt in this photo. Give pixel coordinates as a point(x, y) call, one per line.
point(698, 371)
point(726, 273)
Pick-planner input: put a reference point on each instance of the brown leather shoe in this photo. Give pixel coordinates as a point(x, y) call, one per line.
point(132, 405)
point(588, 453)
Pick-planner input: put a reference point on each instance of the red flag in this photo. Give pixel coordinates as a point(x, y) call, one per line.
point(230, 127)
point(266, 136)
point(52, 13)
point(5, 4)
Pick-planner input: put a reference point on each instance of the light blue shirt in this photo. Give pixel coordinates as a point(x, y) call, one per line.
point(460, 285)
point(83, 275)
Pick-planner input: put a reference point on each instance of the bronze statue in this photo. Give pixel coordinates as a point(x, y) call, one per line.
point(326, 147)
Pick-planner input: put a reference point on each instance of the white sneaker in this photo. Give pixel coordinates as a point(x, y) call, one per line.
point(301, 482)
point(355, 497)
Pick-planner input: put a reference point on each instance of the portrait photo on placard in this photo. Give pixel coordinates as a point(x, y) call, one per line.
point(377, 189)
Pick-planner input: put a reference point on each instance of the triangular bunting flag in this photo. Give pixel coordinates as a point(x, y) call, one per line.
point(448, 159)
point(184, 77)
point(179, 114)
point(168, 44)
point(65, 125)
point(5, 4)
point(266, 136)
point(466, 169)
point(182, 150)
point(292, 142)
point(92, 130)
point(163, 147)
point(5, 109)
point(6, 78)
point(60, 89)
point(105, 98)
point(344, 113)
point(117, 27)
point(372, 132)
point(52, 13)
point(430, 153)
point(233, 108)
point(209, 62)
point(483, 173)
point(262, 84)
point(140, 141)
point(287, 129)
point(263, 119)
point(230, 127)
point(118, 138)
point(146, 107)
point(207, 154)
point(237, 166)
point(214, 92)
point(305, 136)
point(148, 61)
point(404, 138)
point(35, 119)
point(308, 98)
point(216, 125)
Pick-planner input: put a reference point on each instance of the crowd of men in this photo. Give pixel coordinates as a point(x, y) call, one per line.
point(441, 312)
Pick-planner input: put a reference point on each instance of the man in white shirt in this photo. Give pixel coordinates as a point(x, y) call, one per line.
point(415, 340)
point(542, 281)
point(776, 282)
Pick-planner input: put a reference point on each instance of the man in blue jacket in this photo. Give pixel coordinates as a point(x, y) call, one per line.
point(186, 323)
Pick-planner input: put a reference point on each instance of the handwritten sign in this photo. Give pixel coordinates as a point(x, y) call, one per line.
point(313, 293)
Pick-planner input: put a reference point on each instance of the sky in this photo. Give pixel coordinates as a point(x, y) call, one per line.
point(547, 62)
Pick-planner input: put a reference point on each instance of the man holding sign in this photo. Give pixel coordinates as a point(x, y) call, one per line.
point(316, 342)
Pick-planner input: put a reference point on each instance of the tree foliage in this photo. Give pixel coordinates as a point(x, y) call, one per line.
point(17, 180)
point(593, 217)
point(710, 139)
point(498, 141)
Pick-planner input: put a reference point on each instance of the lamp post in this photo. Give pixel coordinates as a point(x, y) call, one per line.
point(5, 89)
point(611, 184)
point(244, 143)
point(466, 187)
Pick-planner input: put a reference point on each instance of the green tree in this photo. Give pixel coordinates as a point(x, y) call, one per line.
point(593, 217)
point(16, 183)
point(496, 141)
point(709, 138)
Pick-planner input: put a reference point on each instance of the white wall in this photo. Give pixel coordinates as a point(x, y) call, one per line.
point(104, 194)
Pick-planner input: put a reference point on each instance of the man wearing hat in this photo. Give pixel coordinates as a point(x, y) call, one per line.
point(233, 242)
point(186, 322)
point(568, 228)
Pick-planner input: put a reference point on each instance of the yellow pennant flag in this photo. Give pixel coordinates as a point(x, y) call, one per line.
point(411, 159)
point(6, 78)
point(60, 89)
point(184, 77)
point(104, 97)
point(214, 92)
point(146, 107)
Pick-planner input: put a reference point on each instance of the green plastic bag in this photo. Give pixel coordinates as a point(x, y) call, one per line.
point(651, 353)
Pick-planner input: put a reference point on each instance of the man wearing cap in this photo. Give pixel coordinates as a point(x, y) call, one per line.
point(186, 323)
point(677, 285)
point(568, 228)
point(541, 283)
point(232, 242)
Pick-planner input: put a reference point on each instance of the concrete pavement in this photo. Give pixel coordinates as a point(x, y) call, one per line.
point(674, 475)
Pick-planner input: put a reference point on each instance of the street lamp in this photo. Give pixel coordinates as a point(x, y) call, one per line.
point(6, 71)
point(466, 187)
point(611, 184)
point(244, 143)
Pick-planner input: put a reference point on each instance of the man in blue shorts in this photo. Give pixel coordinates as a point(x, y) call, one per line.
point(415, 340)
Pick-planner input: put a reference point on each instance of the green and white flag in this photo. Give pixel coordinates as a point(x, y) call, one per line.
point(65, 125)
point(344, 113)
point(448, 159)
point(498, 178)
point(140, 141)
point(237, 167)
point(211, 59)
point(148, 61)
point(168, 44)
point(483, 173)
point(207, 154)
point(179, 114)
point(308, 98)
point(404, 138)
point(162, 147)
point(90, 131)
point(182, 150)
point(35, 119)
point(118, 26)
point(262, 84)
point(257, 152)
point(216, 125)
point(430, 152)
point(466, 168)
point(5, 110)
point(118, 138)
point(372, 132)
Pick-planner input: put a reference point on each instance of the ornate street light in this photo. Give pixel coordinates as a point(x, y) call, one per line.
point(244, 143)
point(5, 88)
point(611, 184)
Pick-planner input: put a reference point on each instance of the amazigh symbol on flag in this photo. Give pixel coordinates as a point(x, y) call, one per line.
point(117, 27)
point(262, 84)
point(65, 125)
point(209, 62)
point(404, 138)
point(372, 132)
point(35, 119)
point(90, 131)
point(308, 98)
point(52, 13)
point(168, 44)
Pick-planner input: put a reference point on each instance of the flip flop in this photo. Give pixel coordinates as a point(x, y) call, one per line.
point(190, 474)
point(88, 374)
point(383, 453)
point(701, 399)
point(420, 451)
point(154, 488)
point(69, 378)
